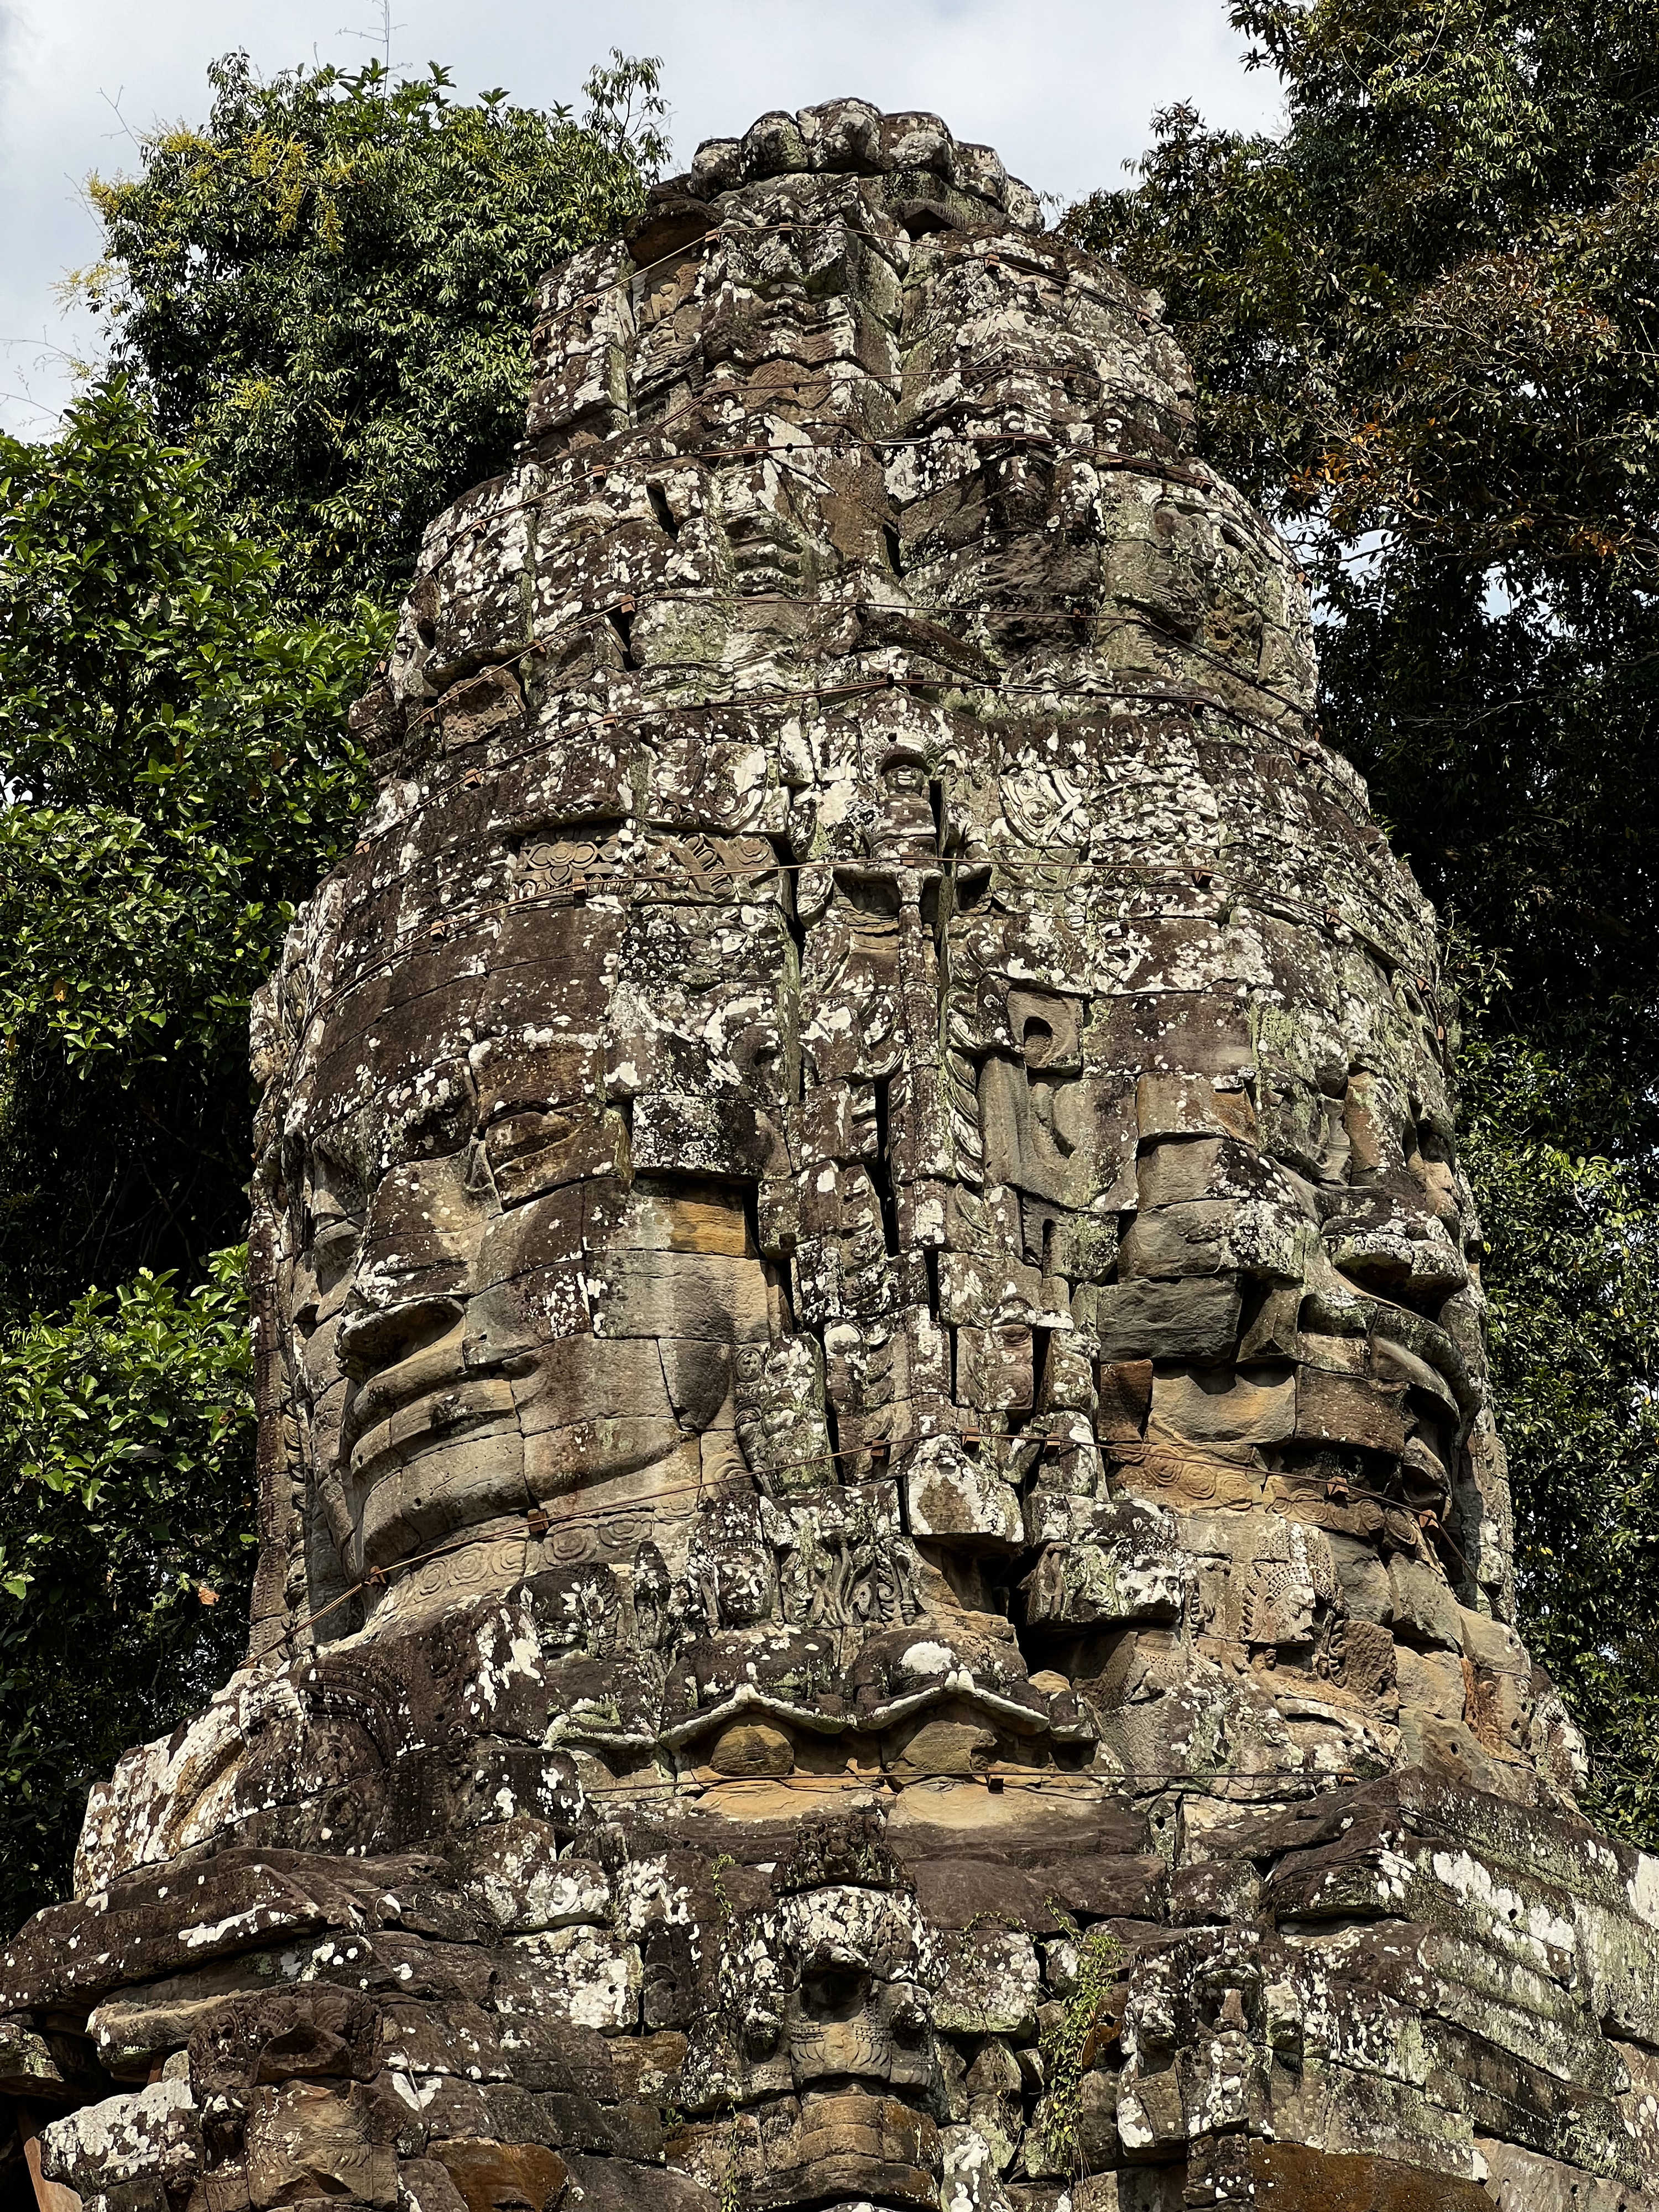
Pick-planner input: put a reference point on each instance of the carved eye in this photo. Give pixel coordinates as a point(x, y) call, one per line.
point(333, 1248)
point(528, 1130)
point(532, 1149)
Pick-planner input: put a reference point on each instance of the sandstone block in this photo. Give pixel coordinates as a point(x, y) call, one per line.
point(946, 1747)
point(488, 2175)
point(1425, 1610)
point(1217, 1405)
point(1292, 2178)
point(1195, 1319)
point(753, 1748)
point(1346, 1410)
point(990, 1986)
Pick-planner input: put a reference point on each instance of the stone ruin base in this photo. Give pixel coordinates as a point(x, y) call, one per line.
point(1402, 1996)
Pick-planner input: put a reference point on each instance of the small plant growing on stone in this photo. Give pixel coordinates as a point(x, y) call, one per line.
point(717, 1883)
point(1069, 2045)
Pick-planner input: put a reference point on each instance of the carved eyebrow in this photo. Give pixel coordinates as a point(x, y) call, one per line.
point(503, 1107)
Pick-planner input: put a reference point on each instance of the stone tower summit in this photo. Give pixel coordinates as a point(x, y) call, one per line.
point(885, 1572)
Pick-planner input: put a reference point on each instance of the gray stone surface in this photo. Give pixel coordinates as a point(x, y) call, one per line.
point(885, 1571)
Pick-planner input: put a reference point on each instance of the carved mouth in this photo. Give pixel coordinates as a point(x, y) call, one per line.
point(1418, 1333)
point(414, 1390)
point(430, 1417)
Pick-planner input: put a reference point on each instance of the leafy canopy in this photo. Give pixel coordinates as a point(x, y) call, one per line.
point(173, 740)
point(1575, 1342)
point(323, 292)
point(176, 769)
point(1424, 311)
point(173, 746)
point(126, 1543)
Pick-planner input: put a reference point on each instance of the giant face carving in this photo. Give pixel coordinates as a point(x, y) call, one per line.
point(667, 1159)
point(870, 1087)
point(869, 1329)
point(492, 1304)
point(868, 1065)
point(952, 1123)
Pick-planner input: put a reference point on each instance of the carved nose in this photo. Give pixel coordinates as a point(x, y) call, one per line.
point(373, 1341)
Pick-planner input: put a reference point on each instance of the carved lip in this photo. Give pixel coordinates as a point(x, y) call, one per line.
point(397, 1352)
point(431, 1374)
point(432, 1416)
point(1426, 1339)
point(422, 1398)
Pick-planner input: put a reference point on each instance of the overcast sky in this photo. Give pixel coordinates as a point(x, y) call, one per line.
point(1063, 89)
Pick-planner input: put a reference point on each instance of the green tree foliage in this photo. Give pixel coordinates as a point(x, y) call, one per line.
point(172, 738)
point(1422, 317)
point(176, 767)
point(1575, 1339)
point(324, 292)
point(172, 744)
point(126, 1545)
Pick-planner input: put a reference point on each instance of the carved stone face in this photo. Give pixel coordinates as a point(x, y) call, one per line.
point(832, 1989)
point(620, 1189)
point(914, 1141)
point(501, 1291)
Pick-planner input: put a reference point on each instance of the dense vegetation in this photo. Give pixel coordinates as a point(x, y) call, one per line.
point(320, 336)
point(126, 1524)
point(1423, 317)
point(173, 732)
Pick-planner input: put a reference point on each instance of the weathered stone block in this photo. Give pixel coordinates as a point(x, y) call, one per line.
point(1194, 1238)
point(1221, 1405)
point(956, 1500)
point(1346, 1410)
point(1292, 2178)
point(1196, 1320)
point(486, 2175)
point(1425, 1610)
point(990, 1985)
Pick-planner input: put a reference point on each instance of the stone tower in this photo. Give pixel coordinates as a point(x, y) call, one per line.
point(885, 1571)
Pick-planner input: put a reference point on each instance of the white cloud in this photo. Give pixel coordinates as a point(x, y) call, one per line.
point(1063, 89)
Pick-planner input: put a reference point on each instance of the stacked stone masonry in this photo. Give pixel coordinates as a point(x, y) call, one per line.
point(886, 1573)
